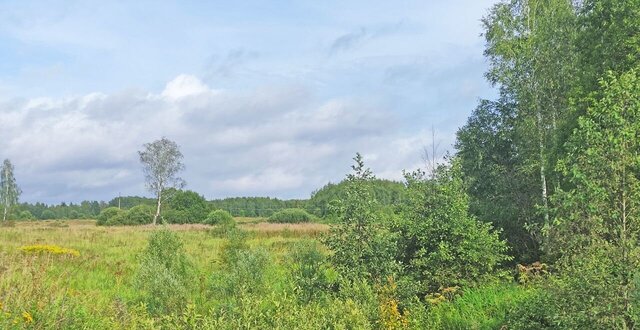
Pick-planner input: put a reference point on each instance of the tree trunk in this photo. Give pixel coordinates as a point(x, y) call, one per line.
point(6, 196)
point(543, 176)
point(159, 203)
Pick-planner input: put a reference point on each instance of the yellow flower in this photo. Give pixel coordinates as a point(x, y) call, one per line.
point(27, 317)
point(53, 249)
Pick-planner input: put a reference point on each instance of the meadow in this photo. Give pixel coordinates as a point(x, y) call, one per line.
point(281, 282)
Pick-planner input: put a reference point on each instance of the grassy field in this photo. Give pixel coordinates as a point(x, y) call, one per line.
point(90, 285)
point(37, 289)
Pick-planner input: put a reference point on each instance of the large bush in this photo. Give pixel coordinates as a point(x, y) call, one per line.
point(291, 216)
point(219, 217)
point(108, 215)
point(441, 244)
point(190, 206)
point(139, 215)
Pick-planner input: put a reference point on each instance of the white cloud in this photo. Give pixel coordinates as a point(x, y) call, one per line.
point(276, 141)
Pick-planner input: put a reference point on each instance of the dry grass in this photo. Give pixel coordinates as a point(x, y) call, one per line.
point(265, 229)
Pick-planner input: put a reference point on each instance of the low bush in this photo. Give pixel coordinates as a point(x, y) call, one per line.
point(291, 216)
point(164, 274)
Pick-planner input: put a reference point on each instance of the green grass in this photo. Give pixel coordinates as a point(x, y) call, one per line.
point(478, 308)
point(95, 289)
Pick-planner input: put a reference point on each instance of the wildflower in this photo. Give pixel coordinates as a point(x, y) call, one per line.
point(28, 319)
point(53, 249)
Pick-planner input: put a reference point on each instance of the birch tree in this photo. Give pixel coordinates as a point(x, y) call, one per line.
point(596, 230)
point(161, 163)
point(9, 190)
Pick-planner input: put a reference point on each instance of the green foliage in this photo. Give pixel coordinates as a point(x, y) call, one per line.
point(9, 190)
point(312, 276)
point(139, 215)
point(362, 248)
point(110, 216)
point(254, 206)
point(441, 244)
point(485, 307)
point(291, 216)
point(26, 215)
point(48, 214)
point(244, 274)
point(499, 192)
point(127, 202)
point(219, 217)
point(191, 207)
point(236, 242)
point(165, 274)
point(386, 193)
point(594, 236)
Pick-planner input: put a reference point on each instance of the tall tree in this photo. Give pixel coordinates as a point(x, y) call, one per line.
point(9, 190)
point(531, 51)
point(161, 162)
point(596, 231)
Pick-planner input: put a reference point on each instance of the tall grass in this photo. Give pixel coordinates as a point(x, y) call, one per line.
point(271, 276)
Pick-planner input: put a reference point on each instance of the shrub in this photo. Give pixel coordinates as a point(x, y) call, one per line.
point(219, 217)
point(245, 274)
point(175, 216)
point(164, 273)
point(106, 215)
point(291, 216)
point(312, 275)
point(139, 215)
point(26, 215)
point(235, 243)
point(441, 243)
point(48, 214)
point(192, 207)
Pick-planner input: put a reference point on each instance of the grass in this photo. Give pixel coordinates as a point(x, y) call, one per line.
point(484, 307)
point(99, 277)
point(82, 278)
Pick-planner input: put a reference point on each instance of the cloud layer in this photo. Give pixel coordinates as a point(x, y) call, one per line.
point(268, 99)
point(278, 141)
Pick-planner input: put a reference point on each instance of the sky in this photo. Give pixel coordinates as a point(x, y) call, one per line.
point(264, 98)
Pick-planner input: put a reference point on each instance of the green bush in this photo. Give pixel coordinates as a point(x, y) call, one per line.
point(312, 275)
point(108, 217)
point(175, 216)
point(441, 243)
point(291, 216)
point(26, 215)
point(48, 215)
point(186, 207)
point(164, 274)
point(219, 217)
point(139, 215)
point(245, 274)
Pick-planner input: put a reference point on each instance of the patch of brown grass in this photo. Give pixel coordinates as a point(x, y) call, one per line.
point(265, 229)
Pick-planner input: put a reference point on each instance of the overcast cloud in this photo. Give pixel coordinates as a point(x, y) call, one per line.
point(264, 100)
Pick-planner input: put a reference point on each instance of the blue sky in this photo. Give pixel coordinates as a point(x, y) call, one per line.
point(264, 98)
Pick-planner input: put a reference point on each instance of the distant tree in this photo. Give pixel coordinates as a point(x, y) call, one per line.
point(161, 162)
point(9, 191)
